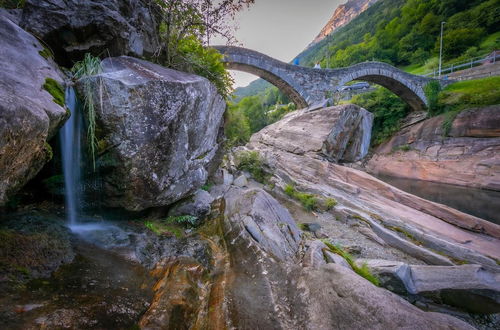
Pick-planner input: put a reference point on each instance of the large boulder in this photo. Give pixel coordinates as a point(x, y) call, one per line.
point(29, 114)
point(158, 132)
point(75, 27)
point(468, 156)
point(340, 133)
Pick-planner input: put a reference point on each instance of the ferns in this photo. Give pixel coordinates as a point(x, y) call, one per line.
point(83, 70)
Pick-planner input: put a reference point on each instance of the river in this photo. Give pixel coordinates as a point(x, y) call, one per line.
point(481, 203)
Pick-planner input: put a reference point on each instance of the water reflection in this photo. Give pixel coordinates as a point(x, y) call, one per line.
point(480, 203)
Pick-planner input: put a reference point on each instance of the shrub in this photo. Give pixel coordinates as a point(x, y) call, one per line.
point(431, 91)
point(308, 201)
point(251, 162)
point(388, 110)
point(330, 203)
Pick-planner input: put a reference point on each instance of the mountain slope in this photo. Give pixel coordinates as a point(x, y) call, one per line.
point(343, 15)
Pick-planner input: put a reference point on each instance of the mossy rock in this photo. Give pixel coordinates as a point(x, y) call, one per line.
point(56, 90)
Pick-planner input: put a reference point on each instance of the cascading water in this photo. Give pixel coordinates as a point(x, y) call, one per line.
point(71, 151)
point(70, 137)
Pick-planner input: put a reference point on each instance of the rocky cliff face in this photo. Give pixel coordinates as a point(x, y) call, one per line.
point(158, 132)
point(343, 15)
point(31, 106)
point(75, 27)
point(468, 156)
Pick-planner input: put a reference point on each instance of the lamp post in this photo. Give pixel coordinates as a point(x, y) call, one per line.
point(441, 48)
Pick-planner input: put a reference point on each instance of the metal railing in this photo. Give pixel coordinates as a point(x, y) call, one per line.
point(458, 66)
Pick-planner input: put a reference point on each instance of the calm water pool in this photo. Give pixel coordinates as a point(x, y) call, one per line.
point(480, 203)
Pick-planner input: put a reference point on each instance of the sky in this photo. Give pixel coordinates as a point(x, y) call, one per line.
point(280, 28)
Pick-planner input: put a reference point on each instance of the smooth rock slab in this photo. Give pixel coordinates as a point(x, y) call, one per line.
point(160, 131)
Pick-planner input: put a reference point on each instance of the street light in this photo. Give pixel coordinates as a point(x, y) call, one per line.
point(441, 48)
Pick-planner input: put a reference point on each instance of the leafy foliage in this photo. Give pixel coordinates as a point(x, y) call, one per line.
point(90, 66)
point(252, 113)
point(172, 225)
point(407, 32)
point(187, 26)
point(388, 110)
point(431, 91)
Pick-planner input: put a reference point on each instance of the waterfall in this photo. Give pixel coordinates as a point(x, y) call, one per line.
point(71, 151)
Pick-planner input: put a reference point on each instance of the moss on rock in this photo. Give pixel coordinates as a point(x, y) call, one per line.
point(56, 90)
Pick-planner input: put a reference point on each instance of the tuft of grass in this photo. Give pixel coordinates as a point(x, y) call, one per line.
point(308, 201)
point(405, 233)
point(252, 162)
point(46, 53)
point(330, 203)
point(83, 70)
point(362, 271)
point(56, 90)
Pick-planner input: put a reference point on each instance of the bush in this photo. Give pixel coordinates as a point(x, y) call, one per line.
point(251, 162)
point(308, 201)
point(330, 203)
point(388, 110)
point(431, 91)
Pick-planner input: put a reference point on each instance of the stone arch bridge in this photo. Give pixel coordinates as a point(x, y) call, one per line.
point(307, 86)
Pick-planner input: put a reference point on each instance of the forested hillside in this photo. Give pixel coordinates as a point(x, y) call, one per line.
point(404, 32)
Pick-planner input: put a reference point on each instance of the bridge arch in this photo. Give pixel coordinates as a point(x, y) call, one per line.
point(408, 87)
point(307, 86)
point(277, 81)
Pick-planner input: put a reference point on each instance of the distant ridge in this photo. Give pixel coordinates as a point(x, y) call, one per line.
point(342, 15)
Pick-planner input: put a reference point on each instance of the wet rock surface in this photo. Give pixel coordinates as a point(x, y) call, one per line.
point(160, 131)
point(32, 245)
point(29, 116)
point(467, 156)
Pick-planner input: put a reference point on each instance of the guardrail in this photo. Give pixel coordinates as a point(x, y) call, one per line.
point(475, 61)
